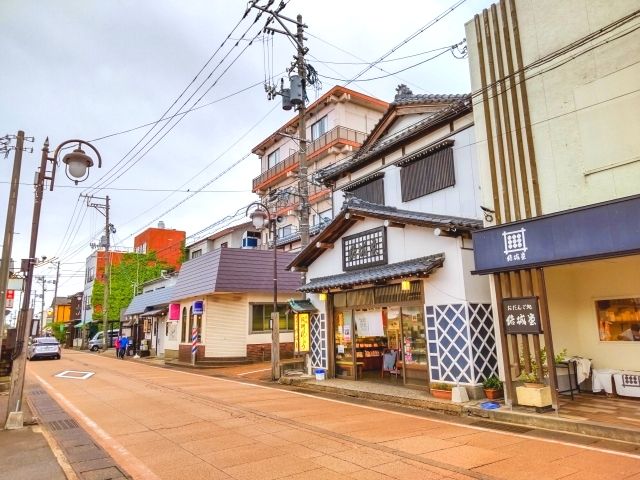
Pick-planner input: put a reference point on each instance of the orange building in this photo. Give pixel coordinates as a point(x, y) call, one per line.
point(165, 242)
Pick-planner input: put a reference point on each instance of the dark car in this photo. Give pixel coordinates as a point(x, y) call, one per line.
point(44, 347)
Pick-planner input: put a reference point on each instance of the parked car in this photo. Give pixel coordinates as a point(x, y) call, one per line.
point(44, 347)
point(95, 343)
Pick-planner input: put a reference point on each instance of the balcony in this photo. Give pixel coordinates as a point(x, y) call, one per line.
point(337, 137)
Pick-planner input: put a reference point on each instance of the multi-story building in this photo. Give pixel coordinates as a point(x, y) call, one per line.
point(167, 243)
point(95, 268)
point(236, 236)
point(337, 124)
point(556, 115)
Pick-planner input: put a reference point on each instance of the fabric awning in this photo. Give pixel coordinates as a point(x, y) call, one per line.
point(416, 267)
point(155, 313)
point(302, 306)
point(83, 322)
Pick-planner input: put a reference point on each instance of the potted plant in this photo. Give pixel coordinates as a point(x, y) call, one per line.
point(441, 390)
point(531, 380)
point(492, 387)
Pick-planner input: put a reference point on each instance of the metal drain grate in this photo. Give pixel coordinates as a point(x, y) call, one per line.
point(62, 425)
point(501, 426)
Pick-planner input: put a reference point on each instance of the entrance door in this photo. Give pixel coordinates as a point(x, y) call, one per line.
point(161, 334)
point(344, 341)
point(414, 345)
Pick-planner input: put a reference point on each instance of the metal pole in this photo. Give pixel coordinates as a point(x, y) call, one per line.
point(8, 230)
point(14, 411)
point(107, 272)
point(275, 316)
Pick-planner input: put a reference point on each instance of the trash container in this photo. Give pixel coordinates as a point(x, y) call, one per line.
point(320, 374)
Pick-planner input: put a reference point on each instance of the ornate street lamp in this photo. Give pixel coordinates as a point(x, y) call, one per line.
point(77, 165)
point(261, 219)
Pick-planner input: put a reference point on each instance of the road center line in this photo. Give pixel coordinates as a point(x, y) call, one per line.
point(106, 441)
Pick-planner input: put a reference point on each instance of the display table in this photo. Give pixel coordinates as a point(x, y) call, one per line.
point(627, 382)
point(602, 380)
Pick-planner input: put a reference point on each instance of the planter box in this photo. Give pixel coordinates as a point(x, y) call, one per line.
point(493, 393)
point(443, 394)
point(534, 397)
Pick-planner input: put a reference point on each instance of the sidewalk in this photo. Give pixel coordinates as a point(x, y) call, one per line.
point(26, 452)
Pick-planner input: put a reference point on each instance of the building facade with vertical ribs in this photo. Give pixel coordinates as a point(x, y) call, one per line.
point(337, 124)
point(556, 100)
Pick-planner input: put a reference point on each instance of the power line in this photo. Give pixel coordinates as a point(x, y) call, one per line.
point(363, 62)
point(138, 189)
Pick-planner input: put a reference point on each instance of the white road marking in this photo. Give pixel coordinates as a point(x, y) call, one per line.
point(122, 456)
point(254, 371)
point(75, 375)
point(377, 409)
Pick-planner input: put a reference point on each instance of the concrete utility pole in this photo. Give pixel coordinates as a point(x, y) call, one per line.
point(303, 185)
point(9, 225)
point(108, 227)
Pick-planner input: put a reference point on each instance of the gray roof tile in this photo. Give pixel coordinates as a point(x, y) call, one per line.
point(156, 298)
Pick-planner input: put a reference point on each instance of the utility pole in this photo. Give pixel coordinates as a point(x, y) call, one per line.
point(10, 221)
point(108, 229)
point(55, 292)
point(303, 185)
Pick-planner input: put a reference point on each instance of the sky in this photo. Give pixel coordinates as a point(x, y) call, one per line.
point(87, 69)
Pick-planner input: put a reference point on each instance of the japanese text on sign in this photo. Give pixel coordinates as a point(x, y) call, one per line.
point(521, 315)
point(301, 336)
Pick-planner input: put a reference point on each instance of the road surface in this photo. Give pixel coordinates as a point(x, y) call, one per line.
point(159, 423)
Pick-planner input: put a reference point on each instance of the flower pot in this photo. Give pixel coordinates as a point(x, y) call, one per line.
point(534, 385)
point(493, 393)
point(443, 394)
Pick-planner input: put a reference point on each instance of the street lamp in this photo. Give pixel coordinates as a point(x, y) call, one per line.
point(261, 219)
point(77, 165)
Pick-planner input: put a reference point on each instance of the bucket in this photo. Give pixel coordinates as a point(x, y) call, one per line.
point(320, 372)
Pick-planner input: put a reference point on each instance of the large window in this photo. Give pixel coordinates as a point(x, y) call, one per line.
point(426, 175)
point(319, 128)
point(619, 319)
point(273, 158)
point(261, 317)
point(285, 231)
point(184, 325)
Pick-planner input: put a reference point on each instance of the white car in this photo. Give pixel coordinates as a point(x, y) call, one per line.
point(44, 347)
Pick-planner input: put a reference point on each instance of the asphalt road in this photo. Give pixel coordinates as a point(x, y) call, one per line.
point(159, 423)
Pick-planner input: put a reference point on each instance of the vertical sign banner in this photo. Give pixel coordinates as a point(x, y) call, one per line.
point(301, 334)
point(11, 294)
point(521, 315)
point(174, 311)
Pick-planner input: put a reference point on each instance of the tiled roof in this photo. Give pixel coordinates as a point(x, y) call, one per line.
point(368, 152)
point(428, 98)
point(156, 298)
point(295, 236)
point(416, 266)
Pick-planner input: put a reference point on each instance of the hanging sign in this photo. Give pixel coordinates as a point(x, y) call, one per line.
point(9, 298)
point(198, 307)
point(301, 332)
point(174, 311)
point(521, 315)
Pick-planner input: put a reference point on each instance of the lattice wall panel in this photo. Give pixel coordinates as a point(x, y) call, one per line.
point(319, 340)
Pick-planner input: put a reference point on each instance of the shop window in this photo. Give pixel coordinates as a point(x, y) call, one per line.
point(427, 175)
point(261, 317)
point(273, 158)
point(619, 319)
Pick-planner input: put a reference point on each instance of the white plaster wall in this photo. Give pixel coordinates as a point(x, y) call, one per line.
point(257, 338)
point(572, 291)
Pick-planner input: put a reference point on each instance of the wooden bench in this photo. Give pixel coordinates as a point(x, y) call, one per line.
point(349, 367)
point(290, 364)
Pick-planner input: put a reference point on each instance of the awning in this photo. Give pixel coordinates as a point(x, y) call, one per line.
point(417, 267)
point(302, 306)
point(155, 313)
point(83, 322)
point(128, 322)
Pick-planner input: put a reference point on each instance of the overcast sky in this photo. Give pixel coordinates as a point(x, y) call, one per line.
point(87, 69)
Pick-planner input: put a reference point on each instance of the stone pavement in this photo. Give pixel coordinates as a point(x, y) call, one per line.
point(164, 424)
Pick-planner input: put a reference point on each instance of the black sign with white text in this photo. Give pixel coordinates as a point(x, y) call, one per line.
point(521, 315)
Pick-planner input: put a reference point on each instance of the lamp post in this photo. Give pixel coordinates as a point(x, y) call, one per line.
point(77, 165)
point(261, 219)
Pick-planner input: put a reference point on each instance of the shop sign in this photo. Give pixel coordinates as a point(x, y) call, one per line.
point(11, 294)
point(301, 332)
point(364, 249)
point(174, 311)
point(198, 307)
point(369, 323)
point(597, 231)
point(521, 315)
point(346, 333)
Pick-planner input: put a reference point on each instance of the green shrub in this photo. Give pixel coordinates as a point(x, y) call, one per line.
point(492, 382)
point(441, 386)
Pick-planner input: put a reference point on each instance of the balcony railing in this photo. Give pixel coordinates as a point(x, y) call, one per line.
point(335, 136)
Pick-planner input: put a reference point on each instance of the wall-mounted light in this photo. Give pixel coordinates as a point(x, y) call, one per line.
point(405, 285)
point(323, 297)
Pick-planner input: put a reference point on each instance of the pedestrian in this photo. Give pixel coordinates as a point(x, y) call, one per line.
point(124, 343)
point(116, 344)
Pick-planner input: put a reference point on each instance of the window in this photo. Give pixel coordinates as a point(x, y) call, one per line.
point(324, 217)
point(184, 325)
point(261, 317)
point(196, 253)
point(619, 319)
point(428, 174)
point(319, 128)
point(87, 305)
point(224, 244)
point(285, 231)
point(142, 248)
point(273, 158)
point(91, 274)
